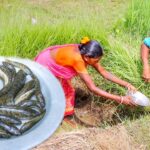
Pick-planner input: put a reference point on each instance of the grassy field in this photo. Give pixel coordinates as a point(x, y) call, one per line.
point(28, 26)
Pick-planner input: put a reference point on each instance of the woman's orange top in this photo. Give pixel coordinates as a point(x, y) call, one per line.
point(70, 56)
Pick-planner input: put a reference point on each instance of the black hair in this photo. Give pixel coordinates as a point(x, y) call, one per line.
point(92, 49)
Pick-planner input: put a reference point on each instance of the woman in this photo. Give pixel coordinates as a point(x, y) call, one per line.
point(145, 49)
point(67, 61)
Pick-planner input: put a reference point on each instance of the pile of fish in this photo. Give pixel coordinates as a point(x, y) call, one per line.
point(22, 104)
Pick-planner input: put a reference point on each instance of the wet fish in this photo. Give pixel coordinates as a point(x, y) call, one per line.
point(9, 128)
point(38, 93)
point(28, 71)
point(27, 87)
point(25, 96)
point(4, 134)
point(23, 67)
point(9, 120)
point(40, 98)
point(5, 75)
point(26, 126)
point(14, 111)
point(16, 86)
point(27, 103)
point(18, 82)
point(7, 84)
point(10, 67)
point(35, 110)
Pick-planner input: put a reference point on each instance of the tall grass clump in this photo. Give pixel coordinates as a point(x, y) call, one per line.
point(53, 24)
point(126, 65)
point(137, 20)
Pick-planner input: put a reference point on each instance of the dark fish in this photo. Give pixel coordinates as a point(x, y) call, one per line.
point(9, 128)
point(18, 83)
point(38, 92)
point(4, 134)
point(27, 87)
point(10, 67)
point(7, 79)
point(35, 110)
point(14, 111)
point(9, 120)
point(28, 71)
point(27, 103)
point(25, 96)
point(26, 126)
point(5, 75)
point(40, 98)
point(21, 66)
point(16, 86)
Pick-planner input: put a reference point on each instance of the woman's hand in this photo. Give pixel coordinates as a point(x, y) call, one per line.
point(127, 100)
point(146, 75)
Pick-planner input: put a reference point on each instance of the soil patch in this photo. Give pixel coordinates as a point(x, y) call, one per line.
point(91, 114)
point(113, 138)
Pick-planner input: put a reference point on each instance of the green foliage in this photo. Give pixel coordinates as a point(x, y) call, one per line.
point(20, 36)
point(137, 20)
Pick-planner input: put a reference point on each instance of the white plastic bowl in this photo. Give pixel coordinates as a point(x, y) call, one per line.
point(55, 107)
point(139, 98)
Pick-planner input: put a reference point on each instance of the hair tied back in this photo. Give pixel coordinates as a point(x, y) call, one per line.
point(85, 40)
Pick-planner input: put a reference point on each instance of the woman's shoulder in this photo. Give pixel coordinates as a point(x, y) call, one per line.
point(69, 49)
point(68, 46)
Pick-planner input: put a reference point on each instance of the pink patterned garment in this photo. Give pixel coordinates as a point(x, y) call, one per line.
point(63, 74)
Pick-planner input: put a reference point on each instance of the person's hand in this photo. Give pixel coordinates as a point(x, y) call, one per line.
point(146, 75)
point(130, 87)
point(127, 100)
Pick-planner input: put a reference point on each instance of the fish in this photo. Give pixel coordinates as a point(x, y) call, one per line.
point(40, 98)
point(7, 82)
point(13, 130)
point(28, 86)
point(5, 75)
point(21, 66)
point(25, 96)
point(35, 110)
point(9, 120)
point(26, 126)
point(28, 71)
point(14, 111)
point(4, 134)
point(16, 86)
point(27, 103)
point(10, 67)
point(18, 82)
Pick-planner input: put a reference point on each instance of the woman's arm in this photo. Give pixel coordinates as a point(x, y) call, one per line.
point(113, 78)
point(144, 56)
point(91, 86)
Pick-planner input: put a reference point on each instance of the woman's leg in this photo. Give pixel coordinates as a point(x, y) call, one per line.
point(69, 95)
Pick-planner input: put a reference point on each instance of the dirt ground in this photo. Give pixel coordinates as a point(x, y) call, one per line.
point(74, 135)
point(113, 138)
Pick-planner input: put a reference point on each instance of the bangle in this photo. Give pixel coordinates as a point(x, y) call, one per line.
point(121, 99)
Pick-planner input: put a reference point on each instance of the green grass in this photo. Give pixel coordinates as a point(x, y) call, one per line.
point(137, 20)
point(19, 37)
